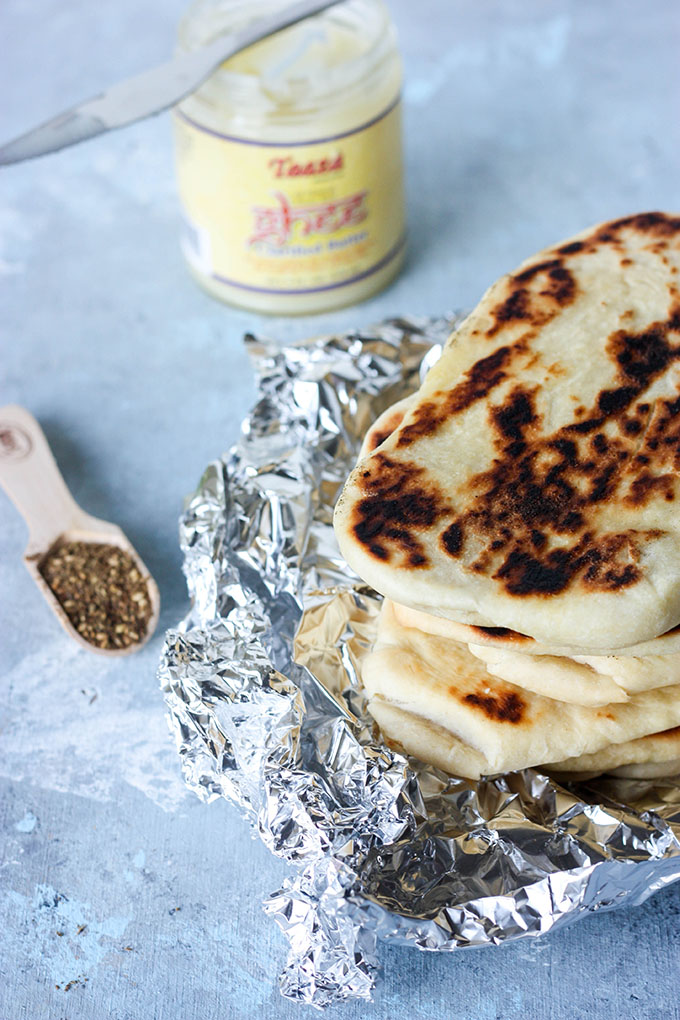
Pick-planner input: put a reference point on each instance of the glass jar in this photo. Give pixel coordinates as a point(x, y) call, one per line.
point(289, 161)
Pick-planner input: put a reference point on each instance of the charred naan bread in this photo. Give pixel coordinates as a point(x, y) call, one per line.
point(497, 637)
point(556, 677)
point(532, 484)
point(651, 757)
point(605, 678)
point(501, 637)
point(432, 696)
point(575, 678)
point(657, 754)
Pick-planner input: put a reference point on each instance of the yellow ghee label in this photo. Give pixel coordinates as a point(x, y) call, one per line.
point(291, 218)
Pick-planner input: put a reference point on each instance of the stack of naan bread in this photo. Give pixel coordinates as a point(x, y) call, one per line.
point(520, 515)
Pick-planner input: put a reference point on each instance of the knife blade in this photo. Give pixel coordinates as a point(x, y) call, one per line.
point(151, 91)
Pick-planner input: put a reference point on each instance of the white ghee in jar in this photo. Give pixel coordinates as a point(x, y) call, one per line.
point(289, 160)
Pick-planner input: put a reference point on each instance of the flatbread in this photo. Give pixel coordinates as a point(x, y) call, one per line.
point(565, 679)
point(431, 743)
point(661, 750)
point(668, 644)
point(586, 680)
point(498, 637)
point(636, 674)
point(532, 484)
point(652, 770)
point(561, 679)
point(501, 637)
point(426, 740)
point(440, 681)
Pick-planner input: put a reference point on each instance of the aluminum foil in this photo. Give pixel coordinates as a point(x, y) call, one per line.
point(262, 685)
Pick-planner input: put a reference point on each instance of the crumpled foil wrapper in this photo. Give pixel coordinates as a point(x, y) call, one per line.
point(262, 685)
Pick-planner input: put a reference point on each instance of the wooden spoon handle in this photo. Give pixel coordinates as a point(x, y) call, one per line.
point(31, 478)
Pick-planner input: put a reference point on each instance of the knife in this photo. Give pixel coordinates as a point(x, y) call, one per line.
point(151, 91)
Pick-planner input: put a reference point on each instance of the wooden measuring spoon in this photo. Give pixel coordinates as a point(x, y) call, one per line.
point(31, 478)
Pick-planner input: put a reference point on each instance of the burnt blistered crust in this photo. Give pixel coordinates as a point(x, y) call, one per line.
point(528, 518)
point(536, 295)
point(479, 381)
point(504, 633)
point(398, 504)
point(544, 487)
point(657, 225)
point(377, 437)
point(504, 707)
point(671, 734)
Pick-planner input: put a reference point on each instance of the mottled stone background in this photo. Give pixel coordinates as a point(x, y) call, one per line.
point(121, 895)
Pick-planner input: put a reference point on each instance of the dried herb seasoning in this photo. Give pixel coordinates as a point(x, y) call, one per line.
point(101, 590)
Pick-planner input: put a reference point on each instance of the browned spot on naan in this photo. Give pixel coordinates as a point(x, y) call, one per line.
point(479, 381)
point(452, 539)
point(376, 437)
point(535, 296)
point(647, 486)
point(398, 503)
point(502, 633)
point(657, 224)
point(572, 248)
point(652, 224)
point(506, 706)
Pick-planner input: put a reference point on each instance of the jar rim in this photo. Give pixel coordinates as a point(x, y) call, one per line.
point(221, 16)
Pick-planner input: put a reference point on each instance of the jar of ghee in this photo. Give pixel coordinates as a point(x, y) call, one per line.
point(289, 160)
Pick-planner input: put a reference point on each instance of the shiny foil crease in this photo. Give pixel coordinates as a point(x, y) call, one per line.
point(262, 685)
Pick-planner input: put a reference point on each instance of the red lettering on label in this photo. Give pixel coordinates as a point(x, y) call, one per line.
point(276, 224)
point(286, 166)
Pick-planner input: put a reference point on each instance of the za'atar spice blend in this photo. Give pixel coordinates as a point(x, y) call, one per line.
point(101, 590)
